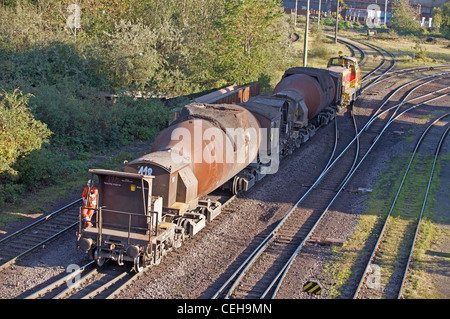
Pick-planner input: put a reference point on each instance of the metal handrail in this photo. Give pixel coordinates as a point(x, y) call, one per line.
point(100, 224)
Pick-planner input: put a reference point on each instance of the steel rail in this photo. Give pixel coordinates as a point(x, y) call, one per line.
point(70, 288)
point(377, 78)
point(357, 147)
point(105, 286)
point(380, 236)
point(394, 92)
point(256, 253)
point(363, 55)
point(428, 67)
point(259, 250)
point(363, 129)
point(82, 283)
point(32, 226)
point(406, 101)
point(283, 272)
point(385, 79)
point(58, 282)
point(438, 149)
point(48, 239)
point(43, 219)
point(375, 69)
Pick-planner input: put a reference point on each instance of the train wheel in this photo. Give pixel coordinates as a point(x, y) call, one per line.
point(138, 264)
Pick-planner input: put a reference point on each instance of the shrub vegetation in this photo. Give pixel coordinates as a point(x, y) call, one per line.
point(54, 78)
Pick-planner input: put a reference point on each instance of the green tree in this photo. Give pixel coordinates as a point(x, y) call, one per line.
point(437, 17)
point(403, 18)
point(250, 29)
point(445, 23)
point(20, 132)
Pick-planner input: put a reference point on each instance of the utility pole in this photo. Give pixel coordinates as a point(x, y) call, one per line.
point(337, 21)
point(320, 6)
point(385, 11)
point(295, 17)
point(305, 48)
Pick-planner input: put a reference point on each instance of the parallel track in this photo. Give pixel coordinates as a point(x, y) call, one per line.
point(396, 241)
point(87, 282)
point(34, 236)
point(105, 282)
point(46, 229)
point(259, 273)
point(286, 241)
point(262, 273)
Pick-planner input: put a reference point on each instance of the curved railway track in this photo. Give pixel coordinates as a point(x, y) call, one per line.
point(259, 273)
point(286, 240)
point(34, 236)
point(262, 272)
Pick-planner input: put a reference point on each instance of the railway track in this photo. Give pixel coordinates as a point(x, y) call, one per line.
point(77, 214)
point(386, 269)
point(39, 233)
point(262, 273)
point(105, 282)
point(369, 66)
point(259, 273)
point(302, 237)
point(87, 282)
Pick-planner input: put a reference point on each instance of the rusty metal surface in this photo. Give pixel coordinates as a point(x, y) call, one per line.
point(231, 95)
point(309, 88)
point(204, 136)
point(316, 85)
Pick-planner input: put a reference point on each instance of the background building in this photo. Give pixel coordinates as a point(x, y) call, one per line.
point(357, 9)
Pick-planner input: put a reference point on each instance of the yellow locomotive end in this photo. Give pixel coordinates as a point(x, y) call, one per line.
point(349, 70)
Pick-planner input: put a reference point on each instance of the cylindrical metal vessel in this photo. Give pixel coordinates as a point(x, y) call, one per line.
point(218, 141)
point(316, 98)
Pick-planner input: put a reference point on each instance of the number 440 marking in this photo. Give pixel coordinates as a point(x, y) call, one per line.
point(145, 170)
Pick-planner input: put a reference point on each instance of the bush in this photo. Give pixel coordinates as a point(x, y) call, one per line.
point(79, 117)
point(419, 52)
point(343, 25)
point(321, 51)
point(45, 167)
point(20, 132)
point(41, 167)
point(51, 64)
point(403, 19)
point(166, 48)
point(10, 192)
point(142, 119)
point(130, 56)
point(21, 135)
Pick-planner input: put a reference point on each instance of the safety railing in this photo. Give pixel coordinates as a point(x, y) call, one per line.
point(98, 218)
